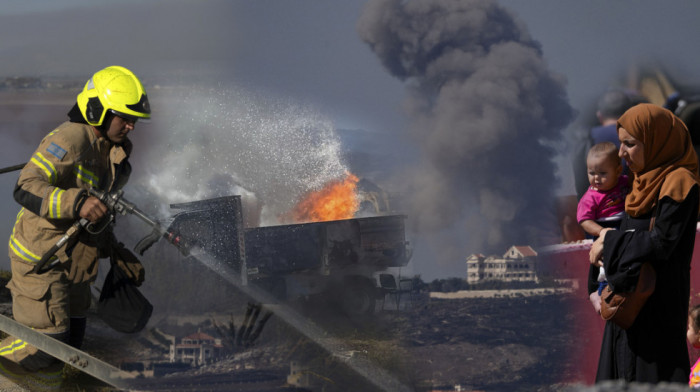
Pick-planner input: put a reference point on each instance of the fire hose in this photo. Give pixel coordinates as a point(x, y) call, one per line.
point(12, 168)
point(116, 204)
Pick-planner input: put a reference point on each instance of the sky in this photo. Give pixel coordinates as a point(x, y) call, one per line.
point(470, 104)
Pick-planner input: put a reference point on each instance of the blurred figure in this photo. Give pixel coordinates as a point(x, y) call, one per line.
point(611, 106)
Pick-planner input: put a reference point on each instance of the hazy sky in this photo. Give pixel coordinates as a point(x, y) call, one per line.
point(310, 52)
point(311, 48)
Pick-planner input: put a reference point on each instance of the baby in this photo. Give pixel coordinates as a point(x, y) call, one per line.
point(603, 204)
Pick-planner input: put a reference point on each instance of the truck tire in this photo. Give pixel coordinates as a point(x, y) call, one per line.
point(357, 297)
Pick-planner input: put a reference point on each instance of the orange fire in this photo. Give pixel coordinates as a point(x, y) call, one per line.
point(337, 200)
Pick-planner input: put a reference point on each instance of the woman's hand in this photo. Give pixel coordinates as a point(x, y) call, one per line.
point(595, 256)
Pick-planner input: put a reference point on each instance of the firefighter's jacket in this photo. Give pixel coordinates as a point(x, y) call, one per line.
point(51, 189)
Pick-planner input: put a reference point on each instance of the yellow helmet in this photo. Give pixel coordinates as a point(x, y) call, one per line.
point(114, 89)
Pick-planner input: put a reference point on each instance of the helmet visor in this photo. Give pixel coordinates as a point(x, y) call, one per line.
point(142, 106)
point(128, 117)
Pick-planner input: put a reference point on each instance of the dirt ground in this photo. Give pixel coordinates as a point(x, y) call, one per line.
point(488, 344)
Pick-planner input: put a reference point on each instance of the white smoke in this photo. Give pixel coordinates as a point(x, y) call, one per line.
point(224, 142)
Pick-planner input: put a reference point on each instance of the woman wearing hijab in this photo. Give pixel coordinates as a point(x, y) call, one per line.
point(659, 152)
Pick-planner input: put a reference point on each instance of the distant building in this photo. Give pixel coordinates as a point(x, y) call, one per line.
point(21, 82)
point(516, 265)
point(196, 349)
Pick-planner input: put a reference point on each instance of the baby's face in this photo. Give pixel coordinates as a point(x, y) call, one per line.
point(602, 172)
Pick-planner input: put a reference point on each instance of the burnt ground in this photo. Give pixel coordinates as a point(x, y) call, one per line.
point(485, 344)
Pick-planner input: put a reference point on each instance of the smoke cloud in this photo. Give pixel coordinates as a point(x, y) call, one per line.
point(485, 111)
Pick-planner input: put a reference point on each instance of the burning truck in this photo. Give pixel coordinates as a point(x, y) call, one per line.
point(337, 259)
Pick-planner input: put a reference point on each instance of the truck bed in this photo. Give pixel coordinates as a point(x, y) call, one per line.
point(373, 243)
point(378, 242)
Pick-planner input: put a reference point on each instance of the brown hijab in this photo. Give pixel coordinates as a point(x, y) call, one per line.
point(670, 162)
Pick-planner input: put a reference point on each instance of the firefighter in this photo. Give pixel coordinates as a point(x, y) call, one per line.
point(90, 150)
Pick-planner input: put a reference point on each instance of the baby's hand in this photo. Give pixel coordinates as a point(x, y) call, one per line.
point(595, 301)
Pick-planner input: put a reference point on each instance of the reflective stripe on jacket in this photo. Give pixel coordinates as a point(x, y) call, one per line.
point(68, 161)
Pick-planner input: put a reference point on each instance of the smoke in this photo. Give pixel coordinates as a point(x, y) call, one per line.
point(224, 142)
point(485, 111)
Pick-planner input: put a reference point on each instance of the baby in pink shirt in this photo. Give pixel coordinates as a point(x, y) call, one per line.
point(603, 204)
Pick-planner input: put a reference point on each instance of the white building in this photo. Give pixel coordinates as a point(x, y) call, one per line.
point(516, 265)
point(197, 349)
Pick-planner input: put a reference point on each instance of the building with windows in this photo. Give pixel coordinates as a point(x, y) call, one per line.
point(516, 265)
point(196, 349)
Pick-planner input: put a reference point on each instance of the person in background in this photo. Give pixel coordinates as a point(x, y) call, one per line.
point(90, 150)
point(658, 228)
point(611, 105)
point(693, 336)
point(603, 204)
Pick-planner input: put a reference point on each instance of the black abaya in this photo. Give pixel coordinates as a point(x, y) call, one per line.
point(654, 348)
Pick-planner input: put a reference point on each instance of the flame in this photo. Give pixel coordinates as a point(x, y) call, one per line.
point(337, 200)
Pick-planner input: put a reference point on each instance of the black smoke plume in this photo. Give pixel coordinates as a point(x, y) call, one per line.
point(486, 112)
